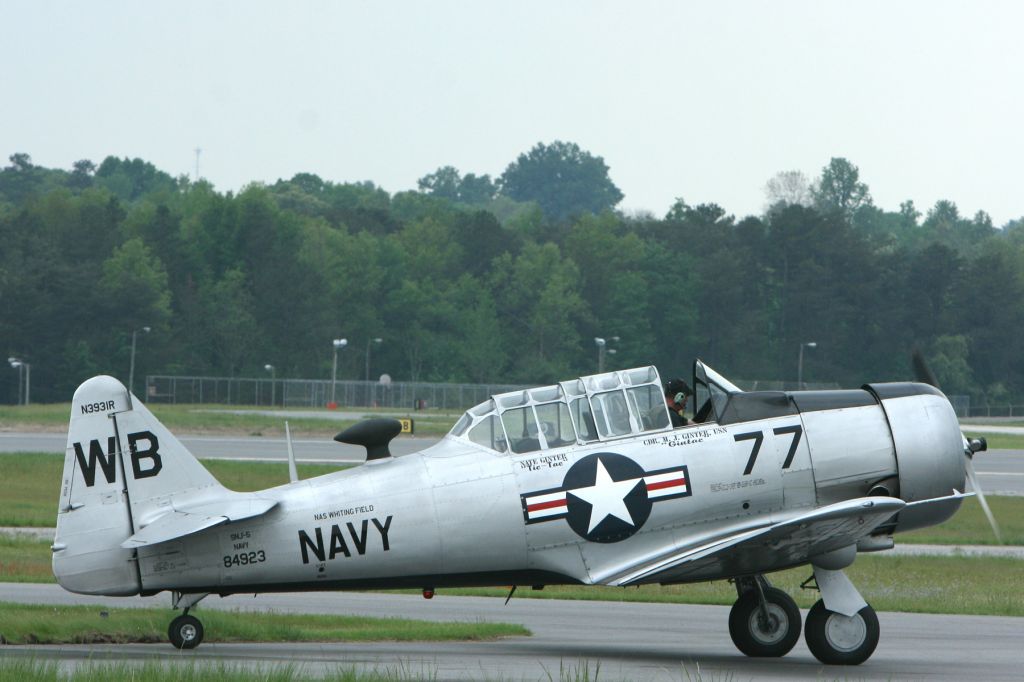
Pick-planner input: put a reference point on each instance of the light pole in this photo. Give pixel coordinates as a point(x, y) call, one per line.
point(338, 345)
point(369, 344)
point(270, 368)
point(800, 364)
point(602, 348)
point(131, 370)
point(24, 378)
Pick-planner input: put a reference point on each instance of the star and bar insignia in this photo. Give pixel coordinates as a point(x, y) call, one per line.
point(606, 497)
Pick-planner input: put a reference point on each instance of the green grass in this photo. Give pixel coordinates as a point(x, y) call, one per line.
point(32, 482)
point(33, 670)
point(25, 560)
point(970, 527)
point(185, 670)
point(988, 586)
point(999, 441)
point(211, 419)
point(41, 624)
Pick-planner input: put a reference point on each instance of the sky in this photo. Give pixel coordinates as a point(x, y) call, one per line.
point(704, 101)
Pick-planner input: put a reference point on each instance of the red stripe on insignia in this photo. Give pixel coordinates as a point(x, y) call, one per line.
point(666, 484)
point(545, 505)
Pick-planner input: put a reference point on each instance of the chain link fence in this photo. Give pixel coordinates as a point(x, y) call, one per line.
point(319, 392)
point(418, 395)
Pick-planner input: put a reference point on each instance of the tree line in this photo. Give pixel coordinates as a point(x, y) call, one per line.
point(479, 279)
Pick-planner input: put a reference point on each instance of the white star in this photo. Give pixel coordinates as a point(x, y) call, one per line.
point(606, 497)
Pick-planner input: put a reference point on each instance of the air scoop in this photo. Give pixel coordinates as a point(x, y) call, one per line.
point(373, 434)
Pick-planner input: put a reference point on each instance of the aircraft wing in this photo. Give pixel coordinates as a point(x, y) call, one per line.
point(789, 542)
point(178, 523)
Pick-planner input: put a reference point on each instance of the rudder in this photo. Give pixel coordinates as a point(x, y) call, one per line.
point(121, 469)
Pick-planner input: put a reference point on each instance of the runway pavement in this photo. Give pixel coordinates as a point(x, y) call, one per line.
point(628, 641)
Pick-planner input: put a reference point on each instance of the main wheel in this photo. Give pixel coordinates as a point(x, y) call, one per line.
point(757, 636)
point(185, 632)
point(836, 639)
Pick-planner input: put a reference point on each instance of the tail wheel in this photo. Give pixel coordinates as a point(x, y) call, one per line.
point(770, 632)
point(185, 632)
point(836, 639)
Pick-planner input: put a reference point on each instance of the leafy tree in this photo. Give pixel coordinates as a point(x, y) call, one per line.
point(538, 292)
point(230, 321)
point(442, 183)
point(839, 188)
point(447, 183)
point(129, 179)
point(476, 189)
point(134, 284)
point(563, 179)
point(948, 359)
point(81, 174)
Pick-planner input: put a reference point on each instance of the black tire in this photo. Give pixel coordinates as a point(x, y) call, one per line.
point(835, 639)
point(748, 631)
point(185, 632)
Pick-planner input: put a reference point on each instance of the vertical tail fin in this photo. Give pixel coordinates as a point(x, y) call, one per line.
point(121, 469)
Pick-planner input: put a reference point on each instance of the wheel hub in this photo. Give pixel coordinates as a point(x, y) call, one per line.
point(845, 633)
point(768, 630)
point(188, 632)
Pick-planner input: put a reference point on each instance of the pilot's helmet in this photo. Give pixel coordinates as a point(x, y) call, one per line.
point(674, 387)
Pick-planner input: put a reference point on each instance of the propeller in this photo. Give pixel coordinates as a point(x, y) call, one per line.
point(923, 373)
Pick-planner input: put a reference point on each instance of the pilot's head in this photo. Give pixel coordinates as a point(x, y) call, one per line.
point(676, 393)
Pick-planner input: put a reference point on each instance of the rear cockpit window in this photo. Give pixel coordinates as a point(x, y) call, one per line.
point(555, 424)
point(584, 419)
point(611, 414)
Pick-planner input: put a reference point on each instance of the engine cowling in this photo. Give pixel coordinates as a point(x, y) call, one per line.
point(929, 450)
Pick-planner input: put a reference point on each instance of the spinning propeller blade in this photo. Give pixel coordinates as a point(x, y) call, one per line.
point(969, 466)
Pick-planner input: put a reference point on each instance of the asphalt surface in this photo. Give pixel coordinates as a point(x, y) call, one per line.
point(627, 641)
point(1001, 472)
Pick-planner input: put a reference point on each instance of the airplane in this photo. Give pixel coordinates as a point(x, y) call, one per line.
point(583, 482)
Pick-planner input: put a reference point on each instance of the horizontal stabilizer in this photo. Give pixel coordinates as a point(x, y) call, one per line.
point(817, 532)
point(179, 523)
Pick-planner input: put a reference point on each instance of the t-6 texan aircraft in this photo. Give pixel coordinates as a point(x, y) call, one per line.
point(583, 482)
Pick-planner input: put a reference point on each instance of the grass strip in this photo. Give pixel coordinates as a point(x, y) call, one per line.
point(35, 670)
point(984, 586)
point(970, 527)
point(32, 482)
point(998, 441)
point(212, 419)
point(25, 560)
point(41, 624)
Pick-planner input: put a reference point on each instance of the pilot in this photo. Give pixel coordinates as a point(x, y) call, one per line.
point(677, 392)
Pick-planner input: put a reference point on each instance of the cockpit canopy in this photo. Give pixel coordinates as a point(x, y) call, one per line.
point(592, 408)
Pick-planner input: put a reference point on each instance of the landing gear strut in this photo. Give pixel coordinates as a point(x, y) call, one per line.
point(841, 628)
point(764, 621)
point(185, 631)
